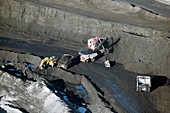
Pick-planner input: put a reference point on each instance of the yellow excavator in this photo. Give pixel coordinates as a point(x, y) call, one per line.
point(48, 61)
point(63, 62)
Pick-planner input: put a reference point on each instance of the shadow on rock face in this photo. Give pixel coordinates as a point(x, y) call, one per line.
point(114, 42)
point(157, 81)
point(74, 98)
point(21, 109)
point(58, 84)
point(112, 63)
point(2, 110)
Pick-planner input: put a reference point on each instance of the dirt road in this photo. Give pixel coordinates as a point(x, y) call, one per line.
point(153, 5)
point(147, 17)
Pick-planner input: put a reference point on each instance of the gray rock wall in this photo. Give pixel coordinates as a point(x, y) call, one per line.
point(28, 97)
point(143, 50)
point(96, 104)
point(145, 55)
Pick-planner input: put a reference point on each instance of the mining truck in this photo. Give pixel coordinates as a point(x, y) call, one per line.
point(143, 83)
point(96, 47)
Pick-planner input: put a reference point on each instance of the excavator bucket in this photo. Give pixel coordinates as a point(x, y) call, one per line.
point(65, 61)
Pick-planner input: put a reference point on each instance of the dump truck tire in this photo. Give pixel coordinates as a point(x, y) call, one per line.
point(65, 66)
point(93, 59)
point(87, 61)
point(148, 89)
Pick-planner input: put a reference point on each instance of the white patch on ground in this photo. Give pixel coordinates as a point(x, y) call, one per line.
point(52, 103)
point(167, 2)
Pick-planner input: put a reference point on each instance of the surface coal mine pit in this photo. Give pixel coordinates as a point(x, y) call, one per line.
point(25, 89)
point(84, 56)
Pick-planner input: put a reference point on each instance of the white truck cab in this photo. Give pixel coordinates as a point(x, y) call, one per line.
point(143, 83)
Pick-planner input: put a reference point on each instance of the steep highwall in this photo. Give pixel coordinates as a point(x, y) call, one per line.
point(143, 50)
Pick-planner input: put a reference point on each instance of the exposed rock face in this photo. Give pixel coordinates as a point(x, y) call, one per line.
point(18, 96)
point(35, 96)
point(143, 50)
point(147, 55)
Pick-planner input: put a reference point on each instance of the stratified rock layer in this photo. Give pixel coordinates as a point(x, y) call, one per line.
point(144, 49)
